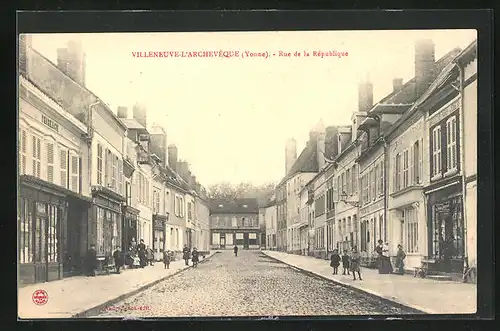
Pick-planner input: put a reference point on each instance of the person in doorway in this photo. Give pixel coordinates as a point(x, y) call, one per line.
point(141, 252)
point(117, 256)
point(335, 261)
point(235, 250)
point(150, 255)
point(195, 257)
point(91, 261)
point(186, 252)
point(400, 258)
point(166, 259)
point(354, 263)
point(345, 263)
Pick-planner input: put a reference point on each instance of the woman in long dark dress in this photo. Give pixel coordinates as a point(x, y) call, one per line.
point(335, 261)
point(384, 262)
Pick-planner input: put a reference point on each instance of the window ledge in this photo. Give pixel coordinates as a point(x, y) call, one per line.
point(436, 177)
point(450, 172)
point(406, 189)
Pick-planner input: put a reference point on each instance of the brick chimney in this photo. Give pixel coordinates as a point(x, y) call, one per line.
point(290, 154)
point(25, 44)
point(172, 157)
point(122, 112)
point(365, 96)
point(140, 114)
point(71, 61)
point(424, 65)
point(397, 84)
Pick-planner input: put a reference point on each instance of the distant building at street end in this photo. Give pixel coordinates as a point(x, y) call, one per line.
point(233, 223)
point(270, 214)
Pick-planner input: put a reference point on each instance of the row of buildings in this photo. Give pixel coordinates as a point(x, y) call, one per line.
point(404, 171)
point(89, 176)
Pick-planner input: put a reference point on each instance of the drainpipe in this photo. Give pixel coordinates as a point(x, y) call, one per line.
point(385, 186)
point(90, 136)
point(462, 162)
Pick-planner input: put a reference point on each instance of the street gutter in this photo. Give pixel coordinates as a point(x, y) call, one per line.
point(95, 310)
point(389, 300)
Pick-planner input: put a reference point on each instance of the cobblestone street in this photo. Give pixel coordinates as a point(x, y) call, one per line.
point(250, 284)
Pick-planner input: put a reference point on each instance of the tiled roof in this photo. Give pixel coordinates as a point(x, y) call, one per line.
point(236, 206)
point(131, 123)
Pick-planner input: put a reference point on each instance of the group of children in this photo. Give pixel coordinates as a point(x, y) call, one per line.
point(350, 262)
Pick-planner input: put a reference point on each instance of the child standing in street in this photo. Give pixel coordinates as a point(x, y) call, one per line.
point(345, 263)
point(335, 261)
point(355, 261)
point(166, 259)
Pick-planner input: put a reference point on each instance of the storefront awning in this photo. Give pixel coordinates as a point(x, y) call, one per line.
point(298, 225)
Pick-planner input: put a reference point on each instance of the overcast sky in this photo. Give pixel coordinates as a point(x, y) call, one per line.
point(230, 118)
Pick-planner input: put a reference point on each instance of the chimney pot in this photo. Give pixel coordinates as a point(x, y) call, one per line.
point(172, 157)
point(424, 65)
point(122, 112)
point(365, 96)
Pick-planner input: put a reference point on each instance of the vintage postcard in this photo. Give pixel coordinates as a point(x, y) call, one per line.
point(260, 174)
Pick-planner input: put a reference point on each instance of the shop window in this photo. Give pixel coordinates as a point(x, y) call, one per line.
point(100, 231)
point(53, 218)
point(410, 220)
point(26, 245)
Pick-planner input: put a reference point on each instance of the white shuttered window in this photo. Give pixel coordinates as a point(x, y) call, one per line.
point(74, 173)
point(50, 162)
point(37, 151)
point(23, 149)
point(63, 166)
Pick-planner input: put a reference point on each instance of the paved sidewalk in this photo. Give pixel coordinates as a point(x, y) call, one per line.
point(429, 296)
point(75, 295)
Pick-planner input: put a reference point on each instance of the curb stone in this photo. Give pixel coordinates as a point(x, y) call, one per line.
point(390, 300)
point(91, 311)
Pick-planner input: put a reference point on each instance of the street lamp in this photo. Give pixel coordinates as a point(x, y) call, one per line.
point(343, 198)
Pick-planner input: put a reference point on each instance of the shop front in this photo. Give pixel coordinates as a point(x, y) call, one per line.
point(129, 226)
point(106, 229)
point(159, 236)
point(41, 220)
point(446, 227)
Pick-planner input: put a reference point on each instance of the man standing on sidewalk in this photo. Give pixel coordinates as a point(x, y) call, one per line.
point(400, 257)
point(91, 261)
point(117, 256)
point(141, 251)
point(186, 254)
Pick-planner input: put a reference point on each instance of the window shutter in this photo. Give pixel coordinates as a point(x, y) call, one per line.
point(50, 162)
point(74, 173)
point(37, 151)
point(106, 168)
point(23, 149)
point(410, 166)
point(120, 176)
point(354, 179)
point(63, 158)
point(394, 173)
point(420, 162)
